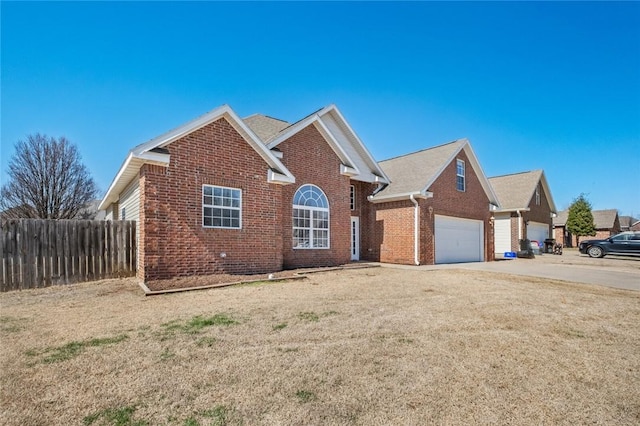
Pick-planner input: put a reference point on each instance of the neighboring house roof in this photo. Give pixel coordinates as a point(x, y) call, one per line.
point(515, 191)
point(264, 126)
point(602, 219)
point(626, 222)
point(357, 161)
point(413, 174)
point(148, 153)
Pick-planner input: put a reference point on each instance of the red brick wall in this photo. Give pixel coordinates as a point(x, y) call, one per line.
point(365, 210)
point(173, 240)
point(473, 203)
point(312, 161)
point(393, 232)
point(537, 213)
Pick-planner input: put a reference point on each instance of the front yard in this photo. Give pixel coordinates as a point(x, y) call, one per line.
point(368, 346)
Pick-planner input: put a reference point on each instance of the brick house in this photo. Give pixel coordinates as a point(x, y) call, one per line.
point(607, 223)
point(224, 195)
point(526, 210)
point(437, 208)
point(629, 223)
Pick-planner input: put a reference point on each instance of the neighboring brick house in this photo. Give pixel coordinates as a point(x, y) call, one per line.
point(437, 208)
point(607, 223)
point(526, 210)
point(223, 195)
point(629, 223)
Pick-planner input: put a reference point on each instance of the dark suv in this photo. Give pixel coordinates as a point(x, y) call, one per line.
point(627, 243)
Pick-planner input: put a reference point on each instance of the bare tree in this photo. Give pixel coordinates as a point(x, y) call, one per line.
point(47, 180)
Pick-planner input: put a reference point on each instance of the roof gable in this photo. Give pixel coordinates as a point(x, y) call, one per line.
point(516, 191)
point(151, 152)
point(357, 161)
point(413, 174)
point(265, 127)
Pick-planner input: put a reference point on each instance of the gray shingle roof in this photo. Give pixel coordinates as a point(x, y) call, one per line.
point(516, 190)
point(603, 219)
point(265, 127)
point(413, 172)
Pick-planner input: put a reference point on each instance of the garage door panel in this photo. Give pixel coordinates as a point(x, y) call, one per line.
point(458, 240)
point(502, 232)
point(537, 231)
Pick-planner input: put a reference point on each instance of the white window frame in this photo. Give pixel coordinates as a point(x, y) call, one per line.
point(352, 197)
point(218, 202)
point(537, 195)
point(313, 215)
point(460, 166)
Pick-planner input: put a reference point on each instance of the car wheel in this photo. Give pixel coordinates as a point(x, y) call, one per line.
point(595, 251)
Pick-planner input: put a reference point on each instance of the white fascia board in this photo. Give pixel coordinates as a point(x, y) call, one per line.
point(110, 196)
point(381, 180)
point(547, 190)
point(263, 150)
point(154, 158)
point(279, 178)
point(488, 189)
point(333, 142)
point(295, 128)
point(398, 197)
point(182, 130)
point(129, 168)
point(333, 108)
point(348, 171)
point(502, 210)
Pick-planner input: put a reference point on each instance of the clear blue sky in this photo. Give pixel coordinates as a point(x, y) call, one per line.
point(553, 86)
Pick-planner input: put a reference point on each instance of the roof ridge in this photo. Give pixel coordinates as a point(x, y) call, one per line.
point(424, 149)
point(264, 115)
point(516, 173)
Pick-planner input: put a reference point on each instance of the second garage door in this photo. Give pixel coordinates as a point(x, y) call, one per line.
point(458, 240)
point(537, 231)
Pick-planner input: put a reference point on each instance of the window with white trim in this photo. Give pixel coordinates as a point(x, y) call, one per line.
point(352, 199)
point(460, 175)
point(221, 207)
point(537, 195)
point(310, 218)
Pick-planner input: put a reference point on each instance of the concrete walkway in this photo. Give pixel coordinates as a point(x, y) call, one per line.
point(626, 277)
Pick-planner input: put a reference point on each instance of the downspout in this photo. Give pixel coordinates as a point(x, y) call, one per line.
point(519, 226)
point(416, 231)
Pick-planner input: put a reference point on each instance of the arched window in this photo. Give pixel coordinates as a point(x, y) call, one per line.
point(310, 218)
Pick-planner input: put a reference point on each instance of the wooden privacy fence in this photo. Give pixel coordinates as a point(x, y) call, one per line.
point(39, 252)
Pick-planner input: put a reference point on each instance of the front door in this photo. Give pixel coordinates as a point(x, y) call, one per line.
point(355, 238)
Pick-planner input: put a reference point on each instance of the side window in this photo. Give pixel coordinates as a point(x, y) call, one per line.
point(352, 197)
point(538, 195)
point(123, 214)
point(221, 207)
point(460, 175)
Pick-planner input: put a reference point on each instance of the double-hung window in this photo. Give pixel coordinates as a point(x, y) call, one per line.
point(460, 175)
point(537, 195)
point(310, 218)
point(221, 207)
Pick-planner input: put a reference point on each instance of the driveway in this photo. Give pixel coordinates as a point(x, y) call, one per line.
point(612, 271)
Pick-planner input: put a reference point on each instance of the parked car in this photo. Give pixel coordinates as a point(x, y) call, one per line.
point(627, 243)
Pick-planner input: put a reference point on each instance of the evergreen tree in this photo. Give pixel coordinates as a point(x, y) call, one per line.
point(580, 219)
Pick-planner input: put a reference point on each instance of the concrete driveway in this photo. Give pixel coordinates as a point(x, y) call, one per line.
point(611, 271)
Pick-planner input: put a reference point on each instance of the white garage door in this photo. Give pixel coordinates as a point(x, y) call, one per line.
point(458, 240)
point(502, 236)
point(537, 231)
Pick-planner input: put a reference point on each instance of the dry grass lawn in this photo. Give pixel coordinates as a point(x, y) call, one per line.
point(366, 347)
